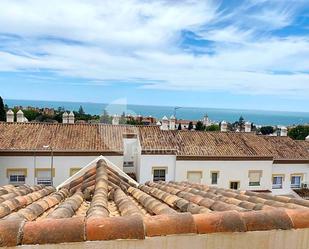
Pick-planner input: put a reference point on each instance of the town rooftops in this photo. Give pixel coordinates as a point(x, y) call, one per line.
point(103, 204)
point(103, 139)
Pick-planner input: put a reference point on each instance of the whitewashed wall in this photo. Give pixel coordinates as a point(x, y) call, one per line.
point(287, 170)
point(148, 162)
point(228, 171)
point(62, 165)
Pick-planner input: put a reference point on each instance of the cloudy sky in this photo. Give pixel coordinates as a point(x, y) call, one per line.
point(251, 54)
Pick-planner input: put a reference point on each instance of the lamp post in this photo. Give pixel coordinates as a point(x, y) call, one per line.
point(51, 162)
point(175, 109)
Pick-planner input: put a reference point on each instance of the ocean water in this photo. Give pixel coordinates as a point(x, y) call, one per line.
point(259, 117)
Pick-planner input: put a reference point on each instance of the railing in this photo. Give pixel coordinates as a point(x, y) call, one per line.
point(277, 186)
point(295, 185)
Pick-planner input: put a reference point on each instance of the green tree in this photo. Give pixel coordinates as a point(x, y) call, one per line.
point(2, 110)
point(81, 111)
point(299, 132)
point(179, 127)
point(199, 126)
point(190, 127)
point(266, 130)
point(31, 114)
point(213, 127)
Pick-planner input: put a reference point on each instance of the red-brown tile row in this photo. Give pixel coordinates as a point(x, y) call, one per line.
point(37, 208)
point(52, 231)
point(261, 199)
point(20, 201)
point(125, 205)
point(99, 204)
point(171, 199)
point(151, 204)
point(205, 199)
point(9, 191)
point(68, 207)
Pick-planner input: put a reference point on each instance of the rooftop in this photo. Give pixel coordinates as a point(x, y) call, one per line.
point(102, 203)
point(102, 138)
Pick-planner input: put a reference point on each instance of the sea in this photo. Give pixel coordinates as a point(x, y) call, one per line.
point(258, 117)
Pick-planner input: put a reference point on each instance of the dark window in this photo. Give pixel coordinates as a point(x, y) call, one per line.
point(234, 185)
point(214, 178)
point(17, 179)
point(158, 175)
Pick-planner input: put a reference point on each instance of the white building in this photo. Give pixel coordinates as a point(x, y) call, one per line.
point(32, 152)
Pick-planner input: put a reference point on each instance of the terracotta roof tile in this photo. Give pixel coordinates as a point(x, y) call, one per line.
point(115, 208)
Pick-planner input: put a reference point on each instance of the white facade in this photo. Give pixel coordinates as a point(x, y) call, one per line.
point(286, 171)
point(145, 166)
point(228, 171)
point(149, 163)
point(62, 166)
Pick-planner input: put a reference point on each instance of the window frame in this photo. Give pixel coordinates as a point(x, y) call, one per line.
point(238, 185)
point(195, 171)
point(255, 184)
point(74, 169)
point(278, 175)
point(211, 173)
point(46, 182)
point(158, 168)
point(301, 177)
point(10, 171)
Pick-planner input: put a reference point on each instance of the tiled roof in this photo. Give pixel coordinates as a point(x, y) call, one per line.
point(63, 137)
point(108, 138)
point(102, 204)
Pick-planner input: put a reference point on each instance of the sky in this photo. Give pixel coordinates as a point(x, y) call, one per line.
point(247, 54)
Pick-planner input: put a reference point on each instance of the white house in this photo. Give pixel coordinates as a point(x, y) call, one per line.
point(34, 152)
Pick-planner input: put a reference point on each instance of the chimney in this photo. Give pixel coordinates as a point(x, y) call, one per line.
point(223, 126)
point(71, 118)
point(65, 118)
point(164, 125)
point(10, 116)
point(172, 122)
point(20, 116)
point(247, 127)
point(115, 120)
point(283, 131)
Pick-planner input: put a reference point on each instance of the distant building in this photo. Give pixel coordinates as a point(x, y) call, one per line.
point(241, 160)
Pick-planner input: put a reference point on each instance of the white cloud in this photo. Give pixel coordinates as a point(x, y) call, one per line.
point(130, 39)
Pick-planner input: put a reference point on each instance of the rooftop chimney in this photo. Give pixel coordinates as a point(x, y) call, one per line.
point(10, 116)
point(115, 120)
point(71, 118)
point(283, 131)
point(247, 127)
point(164, 125)
point(65, 118)
point(224, 126)
point(20, 117)
point(172, 122)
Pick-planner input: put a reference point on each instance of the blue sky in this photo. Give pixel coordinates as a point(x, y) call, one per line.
point(251, 54)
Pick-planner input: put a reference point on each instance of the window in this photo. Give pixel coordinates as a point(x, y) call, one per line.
point(128, 164)
point(73, 171)
point(159, 175)
point(255, 177)
point(277, 182)
point(296, 181)
point(214, 177)
point(234, 185)
point(17, 176)
point(44, 176)
point(194, 176)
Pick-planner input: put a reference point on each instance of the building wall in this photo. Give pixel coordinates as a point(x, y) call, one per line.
point(148, 162)
point(228, 171)
point(62, 165)
point(273, 239)
point(287, 170)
